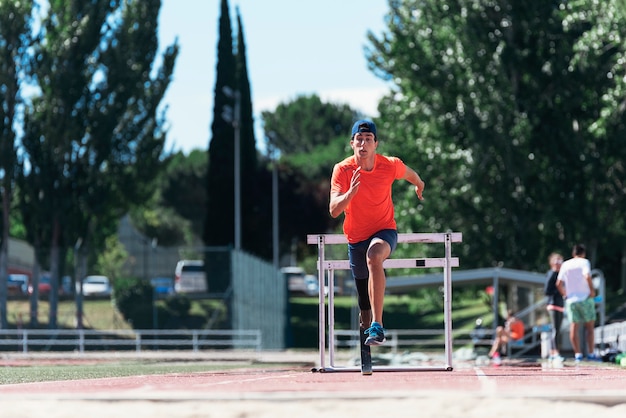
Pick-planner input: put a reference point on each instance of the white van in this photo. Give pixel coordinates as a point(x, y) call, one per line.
point(295, 279)
point(190, 277)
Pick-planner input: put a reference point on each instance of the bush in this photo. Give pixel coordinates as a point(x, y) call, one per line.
point(178, 305)
point(133, 299)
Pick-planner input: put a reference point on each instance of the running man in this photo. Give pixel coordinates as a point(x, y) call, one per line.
point(361, 189)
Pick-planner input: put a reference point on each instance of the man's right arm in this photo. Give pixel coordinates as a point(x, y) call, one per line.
point(339, 201)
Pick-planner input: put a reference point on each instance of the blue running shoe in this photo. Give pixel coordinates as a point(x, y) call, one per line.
point(593, 357)
point(578, 358)
point(376, 334)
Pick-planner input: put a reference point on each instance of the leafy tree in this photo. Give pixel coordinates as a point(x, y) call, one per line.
point(93, 134)
point(305, 124)
point(511, 113)
point(162, 224)
point(15, 29)
point(184, 188)
point(111, 261)
point(175, 213)
point(310, 136)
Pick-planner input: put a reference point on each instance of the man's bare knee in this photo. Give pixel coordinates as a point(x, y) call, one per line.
point(378, 252)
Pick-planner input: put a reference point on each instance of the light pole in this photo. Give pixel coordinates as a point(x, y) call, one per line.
point(235, 119)
point(271, 150)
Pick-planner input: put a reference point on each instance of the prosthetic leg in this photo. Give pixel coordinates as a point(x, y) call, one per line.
point(365, 320)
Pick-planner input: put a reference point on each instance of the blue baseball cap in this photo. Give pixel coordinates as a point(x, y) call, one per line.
point(363, 126)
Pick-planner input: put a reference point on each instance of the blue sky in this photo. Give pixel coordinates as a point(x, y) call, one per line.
point(293, 48)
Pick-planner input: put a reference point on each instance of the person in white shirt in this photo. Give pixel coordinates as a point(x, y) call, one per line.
point(574, 283)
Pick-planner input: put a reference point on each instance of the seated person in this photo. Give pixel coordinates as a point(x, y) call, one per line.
point(513, 330)
point(479, 332)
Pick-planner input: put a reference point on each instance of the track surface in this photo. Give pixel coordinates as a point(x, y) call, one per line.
point(520, 389)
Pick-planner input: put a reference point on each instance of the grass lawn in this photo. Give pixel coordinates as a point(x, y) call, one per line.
point(97, 314)
point(52, 372)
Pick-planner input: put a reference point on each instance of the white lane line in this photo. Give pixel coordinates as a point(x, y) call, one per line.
point(255, 379)
point(487, 385)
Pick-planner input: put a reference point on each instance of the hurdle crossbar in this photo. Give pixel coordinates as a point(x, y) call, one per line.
point(324, 266)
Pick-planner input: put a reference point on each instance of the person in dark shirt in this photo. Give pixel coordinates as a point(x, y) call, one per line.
point(555, 304)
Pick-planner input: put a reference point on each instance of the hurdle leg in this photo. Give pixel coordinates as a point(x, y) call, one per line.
point(321, 274)
point(447, 300)
point(331, 316)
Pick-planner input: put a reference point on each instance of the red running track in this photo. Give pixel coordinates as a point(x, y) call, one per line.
point(595, 382)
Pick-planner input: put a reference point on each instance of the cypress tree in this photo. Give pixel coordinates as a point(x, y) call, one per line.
point(252, 196)
point(219, 225)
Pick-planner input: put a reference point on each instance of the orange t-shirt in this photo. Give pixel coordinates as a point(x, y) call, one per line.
point(516, 330)
point(371, 209)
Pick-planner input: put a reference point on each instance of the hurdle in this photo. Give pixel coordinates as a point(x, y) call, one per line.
point(327, 268)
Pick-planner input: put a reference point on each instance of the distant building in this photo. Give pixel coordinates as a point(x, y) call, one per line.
point(146, 259)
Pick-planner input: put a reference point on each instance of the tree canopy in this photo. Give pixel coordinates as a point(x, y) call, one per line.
point(513, 113)
point(15, 38)
point(93, 127)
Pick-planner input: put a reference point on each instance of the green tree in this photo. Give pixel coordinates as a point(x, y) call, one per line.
point(175, 213)
point(232, 107)
point(510, 112)
point(184, 187)
point(15, 29)
point(255, 196)
point(220, 222)
point(134, 299)
point(110, 262)
point(305, 124)
point(93, 134)
point(310, 136)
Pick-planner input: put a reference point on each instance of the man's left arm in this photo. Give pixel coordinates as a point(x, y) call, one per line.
point(592, 290)
point(412, 177)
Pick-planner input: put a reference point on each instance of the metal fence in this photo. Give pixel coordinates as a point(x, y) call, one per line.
point(260, 299)
point(433, 339)
point(611, 335)
point(26, 340)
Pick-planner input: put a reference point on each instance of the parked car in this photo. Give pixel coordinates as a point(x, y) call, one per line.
point(295, 279)
point(66, 286)
point(311, 283)
point(44, 286)
point(163, 285)
point(96, 286)
point(190, 277)
point(17, 284)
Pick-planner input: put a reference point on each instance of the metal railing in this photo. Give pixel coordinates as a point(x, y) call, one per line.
point(430, 339)
point(611, 335)
point(412, 338)
point(26, 340)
